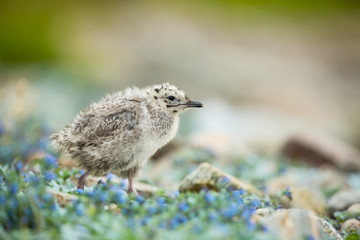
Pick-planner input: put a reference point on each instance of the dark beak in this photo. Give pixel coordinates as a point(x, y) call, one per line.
point(193, 104)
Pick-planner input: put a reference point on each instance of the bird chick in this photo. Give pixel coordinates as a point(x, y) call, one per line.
point(119, 133)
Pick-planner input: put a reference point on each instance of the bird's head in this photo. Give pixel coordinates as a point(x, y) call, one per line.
point(171, 99)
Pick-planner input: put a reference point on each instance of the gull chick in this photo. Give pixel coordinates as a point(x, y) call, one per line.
point(119, 133)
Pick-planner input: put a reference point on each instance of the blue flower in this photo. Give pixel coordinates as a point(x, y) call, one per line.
point(79, 210)
point(30, 178)
point(309, 237)
point(120, 196)
point(50, 161)
point(250, 225)
point(124, 184)
point(288, 193)
point(229, 212)
point(145, 221)
point(13, 188)
point(209, 197)
point(47, 197)
point(224, 181)
point(152, 210)
point(247, 213)
point(255, 203)
point(238, 193)
point(102, 196)
point(174, 194)
point(2, 199)
point(49, 176)
point(161, 201)
point(184, 206)
point(140, 199)
point(19, 166)
point(80, 191)
point(109, 177)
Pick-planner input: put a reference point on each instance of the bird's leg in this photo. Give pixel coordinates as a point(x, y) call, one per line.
point(131, 186)
point(81, 180)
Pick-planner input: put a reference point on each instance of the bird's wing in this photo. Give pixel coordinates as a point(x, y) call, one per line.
point(100, 126)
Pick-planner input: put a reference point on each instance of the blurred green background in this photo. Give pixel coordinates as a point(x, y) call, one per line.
point(264, 69)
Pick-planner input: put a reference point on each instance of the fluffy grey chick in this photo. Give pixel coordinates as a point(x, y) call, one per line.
point(123, 130)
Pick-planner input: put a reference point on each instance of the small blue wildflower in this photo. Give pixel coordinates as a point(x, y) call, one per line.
point(33, 179)
point(251, 226)
point(309, 237)
point(120, 196)
point(50, 161)
point(53, 207)
point(255, 203)
point(145, 221)
point(19, 166)
point(81, 172)
point(102, 196)
point(209, 197)
point(80, 191)
point(49, 176)
point(229, 212)
point(184, 206)
point(47, 197)
point(288, 193)
point(91, 194)
point(161, 201)
point(124, 184)
point(238, 193)
point(152, 210)
point(13, 188)
point(247, 213)
point(174, 194)
point(109, 177)
point(2, 199)
point(224, 181)
point(140, 199)
point(181, 218)
point(264, 228)
point(79, 210)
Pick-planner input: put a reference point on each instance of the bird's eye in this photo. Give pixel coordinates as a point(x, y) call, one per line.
point(171, 98)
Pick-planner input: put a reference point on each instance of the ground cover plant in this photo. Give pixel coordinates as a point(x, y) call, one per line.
point(29, 209)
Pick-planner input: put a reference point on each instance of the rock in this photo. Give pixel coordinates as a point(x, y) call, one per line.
point(299, 224)
point(63, 199)
point(208, 176)
point(261, 213)
point(355, 208)
point(343, 199)
point(321, 150)
point(351, 225)
point(302, 197)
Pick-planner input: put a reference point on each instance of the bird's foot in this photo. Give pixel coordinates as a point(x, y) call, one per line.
point(81, 181)
point(132, 188)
